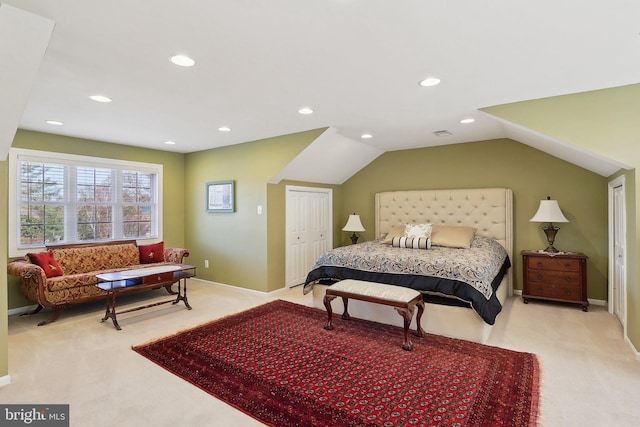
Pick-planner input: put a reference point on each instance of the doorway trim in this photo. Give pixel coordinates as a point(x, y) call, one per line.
point(617, 182)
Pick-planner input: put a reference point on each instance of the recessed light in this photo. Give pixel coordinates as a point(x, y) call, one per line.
point(55, 122)
point(430, 81)
point(467, 121)
point(305, 110)
point(224, 129)
point(100, 98)
point(366, 136)
point(182, 60)
point(170, 142)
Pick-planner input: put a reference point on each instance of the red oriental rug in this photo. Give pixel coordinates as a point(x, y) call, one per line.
point(278, 364)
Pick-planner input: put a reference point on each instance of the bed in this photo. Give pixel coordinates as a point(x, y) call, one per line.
point(454, 307)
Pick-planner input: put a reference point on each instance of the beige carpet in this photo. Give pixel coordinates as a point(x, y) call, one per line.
point(589, 374)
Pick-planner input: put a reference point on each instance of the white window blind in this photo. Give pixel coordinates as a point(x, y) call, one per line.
point(60, 199)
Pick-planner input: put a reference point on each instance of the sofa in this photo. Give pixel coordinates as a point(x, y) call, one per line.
point(66, 274)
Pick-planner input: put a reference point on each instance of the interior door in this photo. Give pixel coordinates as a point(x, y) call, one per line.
point(308, 230)
point(619, 256)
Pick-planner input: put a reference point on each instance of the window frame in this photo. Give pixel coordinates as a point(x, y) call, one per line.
point(19, 154)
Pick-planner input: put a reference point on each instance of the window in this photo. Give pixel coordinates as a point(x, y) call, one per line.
point(72, 199)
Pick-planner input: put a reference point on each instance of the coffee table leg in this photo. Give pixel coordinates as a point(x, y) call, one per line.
point(111, 311)
point(184, 298)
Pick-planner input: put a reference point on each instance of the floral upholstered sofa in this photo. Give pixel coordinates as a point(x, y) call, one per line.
point(66, 274)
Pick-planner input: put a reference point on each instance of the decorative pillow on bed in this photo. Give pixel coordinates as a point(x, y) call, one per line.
point(47, 262)
point(151, 253)
point(452, 236)
point(411, 242)
point(395, 231)
point(417, 230)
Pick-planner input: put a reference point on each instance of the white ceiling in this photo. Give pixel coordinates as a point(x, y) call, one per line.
point(357, 63)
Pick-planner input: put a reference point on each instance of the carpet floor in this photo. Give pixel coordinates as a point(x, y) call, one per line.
point(277, 363)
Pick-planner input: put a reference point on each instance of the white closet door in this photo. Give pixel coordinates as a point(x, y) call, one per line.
point(308, 230)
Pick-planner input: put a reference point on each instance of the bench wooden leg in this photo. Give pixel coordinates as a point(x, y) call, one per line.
point(407, 315)
point(327, 304)
point(345, 313)
point(419, 330)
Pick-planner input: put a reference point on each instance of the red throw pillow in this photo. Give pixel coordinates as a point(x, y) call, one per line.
point(151, 253)
point(47, 262)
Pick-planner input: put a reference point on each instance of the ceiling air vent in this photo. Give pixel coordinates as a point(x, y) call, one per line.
point(442, 133)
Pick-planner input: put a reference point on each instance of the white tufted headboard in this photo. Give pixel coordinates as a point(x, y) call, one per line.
point(490, 210)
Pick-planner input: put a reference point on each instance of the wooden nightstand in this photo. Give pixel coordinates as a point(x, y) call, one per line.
point(555, 277)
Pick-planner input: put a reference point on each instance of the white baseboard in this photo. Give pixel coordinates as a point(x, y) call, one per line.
point(6, 380)
point(591, 301)
point(21, 310)
point(245, 290)
point(632, 347)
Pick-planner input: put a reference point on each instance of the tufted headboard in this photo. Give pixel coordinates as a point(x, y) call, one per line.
point(490, 210)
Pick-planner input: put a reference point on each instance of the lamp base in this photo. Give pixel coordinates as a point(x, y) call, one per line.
point(551, 231)
point(354, 238)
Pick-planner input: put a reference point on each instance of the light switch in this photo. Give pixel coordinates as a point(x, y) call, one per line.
point(259, 209)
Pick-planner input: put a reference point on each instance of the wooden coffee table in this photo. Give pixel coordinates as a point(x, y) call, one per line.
point(128, 281)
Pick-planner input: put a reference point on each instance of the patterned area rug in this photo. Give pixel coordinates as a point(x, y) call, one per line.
point(278, 364)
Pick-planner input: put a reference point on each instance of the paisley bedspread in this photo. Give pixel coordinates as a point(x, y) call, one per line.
point(470, 275)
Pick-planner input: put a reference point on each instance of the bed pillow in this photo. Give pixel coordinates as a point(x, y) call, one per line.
point(396, 231)
point(417, 230)
point(452, 236)
point(47, 262)
point(151, 253)
point(411, 242)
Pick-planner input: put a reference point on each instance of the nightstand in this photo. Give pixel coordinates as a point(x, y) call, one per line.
point(555, 277)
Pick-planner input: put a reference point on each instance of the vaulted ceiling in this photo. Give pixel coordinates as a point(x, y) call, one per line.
point(356, 63)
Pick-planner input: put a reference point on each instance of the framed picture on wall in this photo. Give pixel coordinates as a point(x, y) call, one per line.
point(220, 196)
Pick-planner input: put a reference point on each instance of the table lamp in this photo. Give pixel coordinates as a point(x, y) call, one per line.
point(354, 225)
point(549, 211)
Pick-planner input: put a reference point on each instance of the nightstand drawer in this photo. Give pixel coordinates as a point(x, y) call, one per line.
point(558, 277)
point(555, 277)
point(552, 290)
point(551, 263)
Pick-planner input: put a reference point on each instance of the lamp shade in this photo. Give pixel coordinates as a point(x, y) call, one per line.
point(549, 211)
point(353, 224)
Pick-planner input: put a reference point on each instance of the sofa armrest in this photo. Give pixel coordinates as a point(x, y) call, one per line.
point(175, 254)
point(32, 279)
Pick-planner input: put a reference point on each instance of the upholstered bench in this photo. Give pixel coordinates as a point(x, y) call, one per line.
point(404, 300)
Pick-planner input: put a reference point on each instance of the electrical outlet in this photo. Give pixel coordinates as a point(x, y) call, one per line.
point(206, 263)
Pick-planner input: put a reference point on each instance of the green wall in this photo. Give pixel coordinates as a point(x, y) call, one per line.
point(530, 173)
point(173, 173)
point(604, 122)
point(237, 245)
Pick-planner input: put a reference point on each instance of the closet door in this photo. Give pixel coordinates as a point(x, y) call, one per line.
point(308, 230)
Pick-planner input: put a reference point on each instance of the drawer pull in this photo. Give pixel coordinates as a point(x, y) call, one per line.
point(568, 279)
point(539, 276)
point(539, 264)
point(567, 292)
point(539, 289)
point(567, 266)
